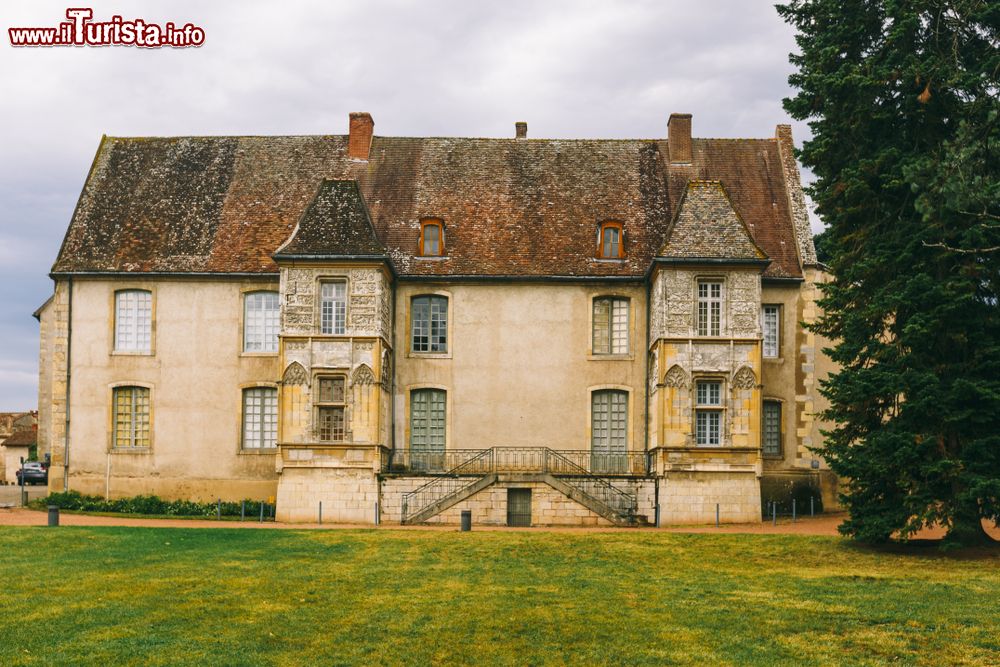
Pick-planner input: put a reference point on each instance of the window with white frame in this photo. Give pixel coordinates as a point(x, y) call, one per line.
point(610, 335)
point(708, 413)
point(771, 316)
point(429, 324)
point(330, 408)
point(709, 307)
point(260, 418)
point(772, 428)
point(131, 414)
point(261, 322)
point(333, 307)
point(133, 320)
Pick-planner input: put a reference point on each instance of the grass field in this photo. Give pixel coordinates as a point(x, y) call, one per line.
point(116, 596)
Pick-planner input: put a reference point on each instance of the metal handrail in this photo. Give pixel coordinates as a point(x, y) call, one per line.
point(521, 459)
point(481, 462)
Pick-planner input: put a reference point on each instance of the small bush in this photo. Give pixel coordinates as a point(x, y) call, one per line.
point(73, 500)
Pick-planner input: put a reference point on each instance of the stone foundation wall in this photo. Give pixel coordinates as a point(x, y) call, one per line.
point(174, 488)
point(691, 497)
point(348, 495)
point(489, 507)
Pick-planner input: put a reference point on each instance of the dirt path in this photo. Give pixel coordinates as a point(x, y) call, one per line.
point(821, 525)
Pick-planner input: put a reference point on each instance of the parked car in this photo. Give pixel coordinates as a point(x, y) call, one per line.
point(34, 473)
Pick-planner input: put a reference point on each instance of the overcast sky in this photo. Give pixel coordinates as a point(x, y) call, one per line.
point(609, 69)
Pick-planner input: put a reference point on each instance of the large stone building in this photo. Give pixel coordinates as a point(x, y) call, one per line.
point(541, 331)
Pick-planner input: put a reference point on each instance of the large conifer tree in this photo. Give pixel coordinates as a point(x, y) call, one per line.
point(902, 99)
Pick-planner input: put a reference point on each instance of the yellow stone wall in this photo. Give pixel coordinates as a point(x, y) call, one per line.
point(519, 370)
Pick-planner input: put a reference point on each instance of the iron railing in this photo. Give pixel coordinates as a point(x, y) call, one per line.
point(473, 464)
point(523, 459)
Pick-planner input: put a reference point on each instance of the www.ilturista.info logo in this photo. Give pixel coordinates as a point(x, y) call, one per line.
point(80, 30)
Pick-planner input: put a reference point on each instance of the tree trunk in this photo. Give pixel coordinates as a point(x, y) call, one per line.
point(967, 529)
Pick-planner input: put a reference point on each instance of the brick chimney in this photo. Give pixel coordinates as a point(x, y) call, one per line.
point(520, 130)
point(679, 138)
point(359, 142)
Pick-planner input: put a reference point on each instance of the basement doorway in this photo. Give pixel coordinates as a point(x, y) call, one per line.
point(519, 507)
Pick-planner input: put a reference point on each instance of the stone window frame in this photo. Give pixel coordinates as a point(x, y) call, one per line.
point(449, 329)
point(721, 409)
point(113, 390)
point(144, 288)
point(244, 294)
point(244, 388)
point(723, 301)
point(328, 279)
point(442, 247)
point(408, 416)
point(630, 324)
point(318, 405)
point(777, 332)
point(602, 230)
point(780, 454)
point(630, 413)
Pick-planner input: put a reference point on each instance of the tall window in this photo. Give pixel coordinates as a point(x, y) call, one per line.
point(771, 318)
point(330, 405)
point(772, 428)
point(610, 241)
point(709, 307)
point(131, 405)
point(708, 413)
point(608, 421)
point(260, 322)
point(427, 420)
point(610, 334)
point(429, 324)
point(260, 418)
point(431, 238)
point(133, 320)
point(333, 307)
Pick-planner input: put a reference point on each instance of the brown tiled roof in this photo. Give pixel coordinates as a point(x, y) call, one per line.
point(22, 438)
point(707, 227)
point(335, 224)
point(516, 207)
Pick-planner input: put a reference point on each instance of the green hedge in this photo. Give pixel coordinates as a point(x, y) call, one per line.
point(73, 500)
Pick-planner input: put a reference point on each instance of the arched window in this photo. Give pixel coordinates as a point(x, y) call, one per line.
point(261, 321)
point(133, 321)
point(131, 410)
point(431, 238)
point(260, 417)
point(427, 428)
point(429, 324)
point(610, 325)
point(611, 241)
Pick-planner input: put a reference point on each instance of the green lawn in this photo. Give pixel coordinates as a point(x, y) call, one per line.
point(115, 596)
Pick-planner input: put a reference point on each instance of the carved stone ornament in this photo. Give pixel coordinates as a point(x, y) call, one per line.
point(675, 377)
point(745, 378)
point(363, 375)
point(295, 374)
point(386, 370)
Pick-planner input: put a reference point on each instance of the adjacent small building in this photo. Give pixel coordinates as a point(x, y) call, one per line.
point(18, 439)
point(394, 329)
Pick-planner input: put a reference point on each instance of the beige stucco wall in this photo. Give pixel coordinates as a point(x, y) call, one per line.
point(519, 370)
point(11, 457)
point(779, 374)
point(196, 373)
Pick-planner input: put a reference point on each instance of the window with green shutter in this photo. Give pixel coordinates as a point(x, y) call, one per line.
point(427, 420)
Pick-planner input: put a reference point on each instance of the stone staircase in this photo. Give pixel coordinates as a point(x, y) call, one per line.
point(498, 464)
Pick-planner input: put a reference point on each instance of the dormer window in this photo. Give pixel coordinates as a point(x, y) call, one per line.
point(610, 241)
point(431, 238)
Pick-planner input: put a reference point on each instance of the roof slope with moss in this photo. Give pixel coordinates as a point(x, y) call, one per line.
point(510, 207)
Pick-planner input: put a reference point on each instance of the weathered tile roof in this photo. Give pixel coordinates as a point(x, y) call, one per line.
point(335, 224)
point(515, 207)
point(22, 438)
point(708, 227)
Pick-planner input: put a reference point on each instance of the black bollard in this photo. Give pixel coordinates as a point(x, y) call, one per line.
point(53, 515)
point(466, 520)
